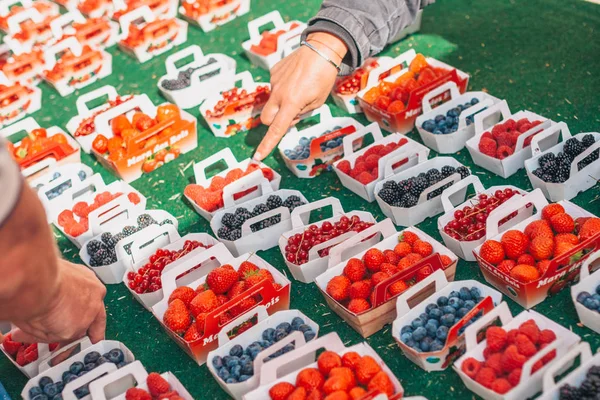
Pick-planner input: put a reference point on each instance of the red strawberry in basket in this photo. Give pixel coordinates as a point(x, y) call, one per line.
point(246, 268)
point(177, 317)
point(258, 276)
point(221, 279)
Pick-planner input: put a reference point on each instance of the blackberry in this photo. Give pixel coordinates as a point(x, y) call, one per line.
point(437, 192)
point(234, 234)
point(129, 230)
point(145, 220)
point(573, 147)
point(588, 160)
point(404, 186)
point(546, 158)
point(112, 258)
point(448, 170)
point(293, 202)
point(588, 140)
point(434, 176)
point(274, 202)
point(241, 218)
point(228, 220)
point(266, 223)
point(463, 171)
point(408, 200)
point(418, 186)
point(393, 185)
point(562, 158)
point(241, 210)
point(100, 255)
point(259, 209)
point(223, 232)
point(389, 196)
point(166, 222)
point(118, 237)
point(93, 262)
point(93, 246)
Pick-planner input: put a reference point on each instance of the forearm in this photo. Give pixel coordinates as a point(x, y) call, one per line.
point(365, 26)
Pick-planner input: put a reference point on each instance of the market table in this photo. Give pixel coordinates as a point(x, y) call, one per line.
point(541, 55)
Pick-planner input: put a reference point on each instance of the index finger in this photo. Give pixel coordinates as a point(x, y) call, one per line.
point(280, 125)
point(97, 329)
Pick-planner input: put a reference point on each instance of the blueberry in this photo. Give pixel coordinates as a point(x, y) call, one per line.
point(591, 303)
point(288, 348)
point(446, 131)
point(236, 351)
point(406, 329)
point(122, 364)
point(406, 337)
point(244, 378)
point(436, 313)
point(293, 156)
point(231, 380)
point(40, 397)
point(417, 323)
point(115, 356)
point(50, 390)
point(44, 380)
point(34, 391)
point(430, 307)
point(474, 101)
point(436, 345)
point(442, 301)
point(454, 303)
point(419, 334)
point(453, 293)
point(81, 392)
point(296, 322)
point(90, 366)
point(101, 361)
point(285, 326)
point(475, 292)
point(441, 124)
point(469, 304)
point(57, 397)
point(434, 322)
point(217, 362)
point(309, 335)
point(268, 334)
point(438, 132)
point(413, 345)
point(304, 141)
point(280, 334)
point(447, 320)
point(232, 362)
point(462, 312)
point(442, 333)
point(223, 373)
point(59, 386)
point(235, 371)
point(71, 378)
point(454, 112)
point(439, 118)
point(429, 125)
point(448, 310)
point(431, 328)
point(425, 344)
point(247, 368)
point(264, 344)
point(450, 121)
point(424, 317)
point(91, 357)
point(464, 294)
point(226, 359)
point(332, 144)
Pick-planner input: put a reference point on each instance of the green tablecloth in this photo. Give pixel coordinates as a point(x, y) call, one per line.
point(541, 55)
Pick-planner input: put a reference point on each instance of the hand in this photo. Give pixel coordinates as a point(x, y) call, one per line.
point(77, 310)
point(300, 83)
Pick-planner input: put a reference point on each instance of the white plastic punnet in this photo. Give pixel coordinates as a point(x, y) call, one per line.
point(424, 208)
point(10, 8)
point(217, 16)
point(531, 383)
point(452, 142)
point(99, 34)
point(300, 217)
point(405, 156)
point(17, 101)
point(220, 72)
point(42, 37)
point(579, 180)
point(32, 369)
point(587, 283)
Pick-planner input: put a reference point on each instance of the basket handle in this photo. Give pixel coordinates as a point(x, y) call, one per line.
point(84, 99)
point(448, 86)
point(146, 241)
point(106, 368)
point(70, 43)
point(501, 311)
point(389, 171)
point(142, 12)
point(57, 25)
point(585, 267)
point(28, 124)
point(14, 22)
point(584, 154)
point(438, 278)
point(224, 155)
point(193, 50)
point(501, 107)
point(255, 25)
point(134, 369)
point(538, 130)
point(463, 183)
point(581, 349)
point(304, 211)
point(513, 204)
point(253, 179)
point(403, 58)
point(373, 129)
point(560, 127)
point(261, 315)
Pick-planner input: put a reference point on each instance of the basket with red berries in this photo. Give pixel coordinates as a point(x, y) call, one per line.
point(463, 227)
point(207, 195)
point(99, 32)
point(10, 8)
point(144, 277)
point(17, 101)
point(229, 289)
point(542, 254)
point(209, 14)
point(29, 30)
point(306, 248)
point(338, 372)
point(360, 171)
point(265, 49)
point(230, 109)
point(39, 148)
point(586, 294)
point(568, 168)
point(256, 224)
point(447, 127)
point(430, 332)
point(160, 8)
point(502, 140)
point(362, 290)
point(188, 84)
point(311, 151)
point(26, 357)
point(394, 92)
point(68, 372)
point(413, 195)
point(110, 253)
point(152, 36)
point(347, 87)
point(90, 207)
point(580, 383)
point(510, 363)
point(237, 363)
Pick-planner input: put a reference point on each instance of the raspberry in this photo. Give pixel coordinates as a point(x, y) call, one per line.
point(157, 385)
point(344, 166)
point(511, 336)
point(524, 345)
point(485, 377)
point(371, 161)
point(365, 178)
point(137, 394)
point(548, 357)
point(546, 336)
point(537, 366)
point(531, 330)
point(511, 359)
point(487, 353)
point(496, 338)
point(133, 198)
point(359, 168)
point(501, 386)
point(488, 146)
point(514, 377)
point(487, 135)
point(494, 362)
point(503, 152)
point(470, 367)
point(505, 139)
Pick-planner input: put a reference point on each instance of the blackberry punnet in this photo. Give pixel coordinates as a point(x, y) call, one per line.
point(589, 389)
point(274, 202)
point(557, 168)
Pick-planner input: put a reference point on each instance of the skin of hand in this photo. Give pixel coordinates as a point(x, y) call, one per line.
point(300, 83)
point(47, 298)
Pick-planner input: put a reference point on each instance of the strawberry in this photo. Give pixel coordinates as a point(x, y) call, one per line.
point(310, 378)
point(299, 393)
point(550, 210)
point(357, 393)
point(391, 257)
point(379, 277)
point(243, 306)
point(192, 334)
point(246, 268)
point(351, 359)
point(397, 288)
point(424, 273)
point(562, 248)
point(562, 223)
point(506, 266)
point(515, 243)
point(328, 360)
point(360, 290)
point(589, 229)
point(366, 369)
point(422, 248)
point(221, 279)
point(137, 394)
point(183, 293)
point(257, 277)
point(525, 273)
point(157, 385)
point(177, 317)
point(373, 259)
point(281, 391)
point(204, 302)
point(11, 347)
point(357, 306)
point(237, 288)
point(492, 252)
point(446, 261)
point(339, 288)
point(541, 248)
point(355, 270)
point(567, 237)
point(222, 299)
point(527, 258)
point(408, 237)
point(389, 269)
point(381, 382)
point(539, 228)
point(402, 249)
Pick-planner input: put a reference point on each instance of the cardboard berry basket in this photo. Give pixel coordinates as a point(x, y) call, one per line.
point(149, 300)
point(588, 282)
point(78, 67)
point(17, 101)
point(231, 163)
point(152, 37)
point(115, 384)
point(407, 155)
point(561, 271)
point(327, 130)
point(32, 368)
point(296, 338)
point(160, 8)
point(454, 346)
point(317, 264)
point(55, 153)
point(553, 382)
point(273, 299)
point(103, 217)
point(530, 383)
point(206, 78)
point(219, 12)
point(579, 180)
point(168, 138)
point(262, 239)
point(358, 80)
point(452, 142)
point(288, 39)
point(238, 115)
point(285, 369)
point(99, 33)
point(113, 273)
point(424, 208)
point(54, 365)
point(9, 8)
point(383, 311)
point(404, 121)
point(497, 113)
point(464, 249)
point(25, 68)
point(27, 30)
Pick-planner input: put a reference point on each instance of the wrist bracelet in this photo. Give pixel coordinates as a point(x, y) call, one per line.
point(319, 52)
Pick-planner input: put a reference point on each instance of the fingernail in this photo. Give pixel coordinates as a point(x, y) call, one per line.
point(257, 156)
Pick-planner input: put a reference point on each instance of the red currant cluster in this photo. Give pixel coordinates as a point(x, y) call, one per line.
point(147, 279)
point(243, 99)
point(351, 84)
point(469, 223)
point(299, 244)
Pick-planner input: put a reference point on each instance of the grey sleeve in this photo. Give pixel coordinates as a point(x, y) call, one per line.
point(366, 26)
point(11, 182)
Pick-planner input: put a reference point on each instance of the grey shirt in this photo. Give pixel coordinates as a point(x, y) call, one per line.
point(366, 26)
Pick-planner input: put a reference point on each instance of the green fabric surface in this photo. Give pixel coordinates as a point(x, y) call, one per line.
point(540, 55)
